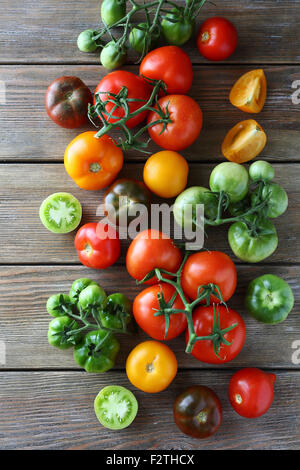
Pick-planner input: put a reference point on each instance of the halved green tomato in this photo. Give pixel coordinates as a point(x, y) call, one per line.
point(61, 212)
point(115, 407)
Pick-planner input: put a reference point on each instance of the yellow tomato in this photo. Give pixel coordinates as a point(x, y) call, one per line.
point(244, 141)
point(165, 173)
point(93, 163)
point(249, 91)
point(151, 366)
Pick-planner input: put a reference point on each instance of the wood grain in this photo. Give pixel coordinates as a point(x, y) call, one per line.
point(47, 32)
point(41, 410)
point(27, 134)
point(24, 319)
point(23, 187)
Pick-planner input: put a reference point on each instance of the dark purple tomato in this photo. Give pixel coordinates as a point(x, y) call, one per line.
point(67, 100)
point(198, 412)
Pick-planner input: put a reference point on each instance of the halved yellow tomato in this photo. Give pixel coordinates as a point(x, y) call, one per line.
point(249, 91)
point(244, 141)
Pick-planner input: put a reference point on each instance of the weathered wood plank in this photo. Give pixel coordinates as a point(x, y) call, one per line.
point(54, 410)
point(28, 134)
point(48, 32)
point(24, 319)
point(23, 187)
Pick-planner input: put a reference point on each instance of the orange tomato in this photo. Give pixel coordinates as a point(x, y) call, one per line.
point(249, 91)
point(244, 141)
point(93, 163)
point(165, 173)
point(151, 366)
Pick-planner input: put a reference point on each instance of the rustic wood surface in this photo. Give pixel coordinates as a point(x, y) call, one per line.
point(24, 119)
point(46, 402)
point(55, 411)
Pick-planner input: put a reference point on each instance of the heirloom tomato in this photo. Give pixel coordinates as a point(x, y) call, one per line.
point(91, 162)
point(151, 366)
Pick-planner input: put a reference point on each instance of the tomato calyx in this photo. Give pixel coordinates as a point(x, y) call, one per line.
point(217, 336)
point(120, 100)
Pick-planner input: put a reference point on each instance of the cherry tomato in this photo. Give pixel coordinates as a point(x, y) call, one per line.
point(149, 250)
point(203, 318)
point(251, 392)
point(208, 267)
point(165, 173)
point(217, 38)
point(93, 163)
point(137, 89)
point(146, 304)
point(151, 366)
point(186, 125)
point(198, 412)
point(170, 64)
point(98, 245)
point(67, 100)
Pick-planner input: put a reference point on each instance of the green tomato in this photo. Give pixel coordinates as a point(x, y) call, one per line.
point(115, 407)
point(97, 351)
point(177, 29)
point(250, 246)
point(277, 199)
point(78, 286)
point(91, 297)
point(112, 11)
point(85, 41)
point(116, 312)
point(261, 170)
point(59, 305)
point(139, 38)
point(60, 212)
point(193, 196)
point(269, 299)
point(60, 332)
point(232, 178)
point(112, 56)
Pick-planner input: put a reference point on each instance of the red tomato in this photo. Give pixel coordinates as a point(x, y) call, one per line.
point(203, 318)
point(137, 89)
point(145, 305)
point(67, 100)
point(186, 117)
point(170, 64)
point(149, 250)
point(208, 267)
point(217, 38)
point(98, 245)
point(251, 392)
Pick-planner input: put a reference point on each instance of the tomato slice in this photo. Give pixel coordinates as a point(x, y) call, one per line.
point(249, 91)
point(115, 407)
point(244, 141)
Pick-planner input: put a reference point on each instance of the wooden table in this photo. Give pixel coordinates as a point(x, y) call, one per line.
point(46, 402)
